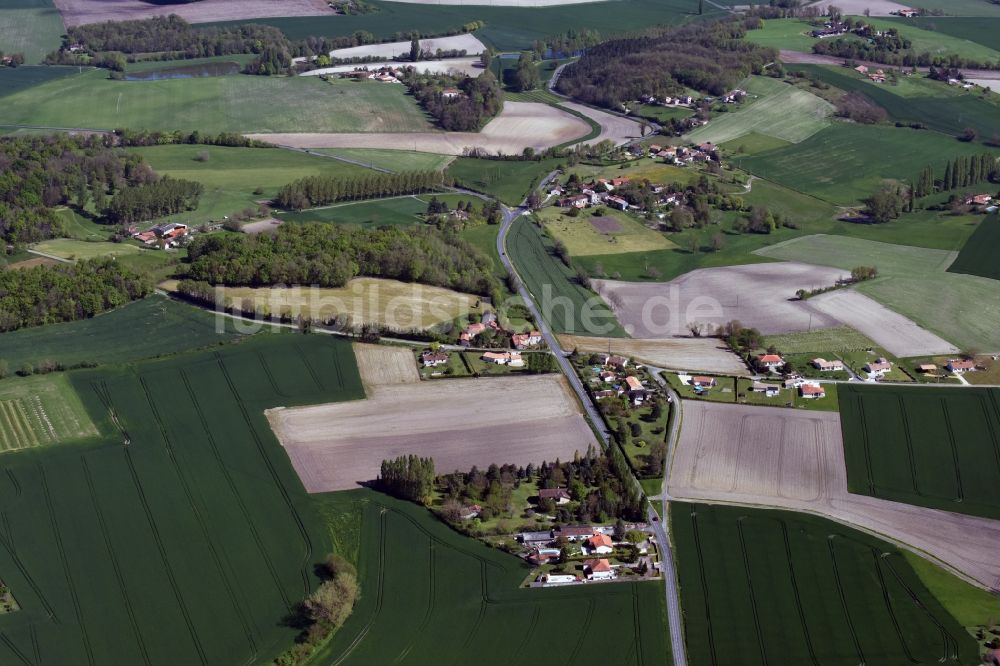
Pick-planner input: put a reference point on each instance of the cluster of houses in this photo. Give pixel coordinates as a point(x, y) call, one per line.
point(594, 193)
point(878, 76)
point(732, 97)
point(383, 74)
point(982, 201)
point(684, 155)
point(520, 341)
point(613, 370)
point(543, 547)
point(906, 12)
point(773, 363)
point(166, 235)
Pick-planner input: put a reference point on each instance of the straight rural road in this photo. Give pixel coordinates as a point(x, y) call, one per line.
point(510, 216)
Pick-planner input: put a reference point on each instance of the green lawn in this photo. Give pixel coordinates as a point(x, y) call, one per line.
point(151, 327)
point(979, 254)
point(147, 538)
point(15, 79)
point(971, 606)
point(933, 447)
point(31, 27)
point(614, 232)
point(396, 211)
point(393, 160)
point(912, 281)
point(660, 114)
point(82, 228)
point(236, 178)
point(567, 305)
point(779, 587)
point(237, 103)
point(844, 163)
point(772, 108)
point(752, 143)
point(509, 181)
point(430, 595)
point(67, 248)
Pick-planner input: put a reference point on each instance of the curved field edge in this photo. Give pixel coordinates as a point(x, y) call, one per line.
point(782, 587)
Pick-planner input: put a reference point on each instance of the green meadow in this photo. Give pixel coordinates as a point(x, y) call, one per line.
point(509, 181)
point(31, 27)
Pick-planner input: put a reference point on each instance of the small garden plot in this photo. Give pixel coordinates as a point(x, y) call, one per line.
point(41, 410)
point(611, 232)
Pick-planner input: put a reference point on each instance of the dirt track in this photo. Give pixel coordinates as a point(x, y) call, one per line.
point(793, 459)
point(519, 125)
point(79, 12)
point(701, 354)
point(458, 422)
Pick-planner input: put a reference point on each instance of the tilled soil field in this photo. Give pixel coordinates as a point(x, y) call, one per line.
point(382, 365)
point(776, 457)
point(701, 354)
point(458, 422)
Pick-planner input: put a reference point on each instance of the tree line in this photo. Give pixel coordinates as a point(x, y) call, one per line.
point(707, 56)
point(67, 292)
point(408, 477)
point(320, 190)
point(958, 173)
point(331, 255)
point(143, 137)
point(148, 201)
point(891, 48)
point(478, 100)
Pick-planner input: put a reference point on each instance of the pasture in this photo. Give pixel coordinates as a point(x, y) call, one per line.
point(704, 354)
point(139, 544)
point(41, 410)
point(610, 233)
point(978, 255)
point(14, 79)
point(509, 181)
point(238, 103)
point(938, 42)
point(837, 339)
point(401, 306)
point(75, 250)
point(932, 447)
point(773, 108)
point(778, 587)
point(794, 459)
point(913, 282)
point(154, 326)
point(401, 211)
point(430, 595)
point(566, 303)
point(965, 28)
point(845, 163)
point(31, 27)
point(392, 160)
point(461, 423)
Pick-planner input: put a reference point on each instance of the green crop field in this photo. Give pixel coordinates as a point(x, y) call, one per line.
point(395, 211)
point(752, 143)
point(429, 595)
point(507, 28)
point(393, 160)
point(983, 8)
point(151, 327)
point(35, 411)
point(948, 110)
point(837, 339)
point(979, 254)
point(236, 178)
point(237, 103)
point(31, 27)
point(777, 587)
point(791, 34)
point(844, 163)
point(183, 536)
point(933, 447)
point(937, 42)
point(14, 79)
point(966, 28)
point(566, 305)
point(773, 108)
point(912, 281)
point(509, 181)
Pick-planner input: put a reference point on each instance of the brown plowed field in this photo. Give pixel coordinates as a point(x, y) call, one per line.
point(703, 354)
point(790, 459)
point(382, 365)
point(458, 422)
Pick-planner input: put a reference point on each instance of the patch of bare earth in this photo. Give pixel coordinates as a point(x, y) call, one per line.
point(268, 226)
point(860, 7)
point(697, 354)
point(382, 365)
point(465, 42)
point(791, 459)
point(759, 295)
point(616, 129)
point(459, 423)
point(520, 125)
point(605, 224)
point(79, 12)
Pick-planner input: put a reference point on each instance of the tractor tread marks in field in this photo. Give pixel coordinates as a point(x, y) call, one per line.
point(637, 624)
point(954, 450)
point(61, 549)
point(950, 651)
point(23, 658)
point(8, 543)
point(312, 371)
point(379, 592)
point(199, 517)
point(167, 568)
point(115, 564)
point(429, 611)
point(908, 438)
point(526, 638)
point(251, 525)
point(704, 586)
point(584, 631)
point(270, 377)
point(798, 597)
point(36, 647)
point(992, 418)
point(843, 599)
point(866, 441)
point(753, 597)
point(14, 483)
point(275, 479)
point(887, 599)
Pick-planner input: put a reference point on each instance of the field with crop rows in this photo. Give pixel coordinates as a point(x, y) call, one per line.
point(31, 27)
point(430, 595)
point(402, 211)
point(509, 181)
point(933, 447)
point(183, 536)
point(777, 587)
point(979, 254)
point(393, 160)
point(41, 410)
point(566, 304)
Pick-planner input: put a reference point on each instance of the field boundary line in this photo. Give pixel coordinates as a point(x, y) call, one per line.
point(113, 556)
point(843, 598)
point(876, 557)
point(65, 564)
point(753, 596)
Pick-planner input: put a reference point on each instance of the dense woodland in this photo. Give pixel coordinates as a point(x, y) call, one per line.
point(478, 100)
point(38, 173)
point(321, 190)
point(149, 201)
point(408, 477)
point(710, 57)
point(330, 255)
point(50, 294)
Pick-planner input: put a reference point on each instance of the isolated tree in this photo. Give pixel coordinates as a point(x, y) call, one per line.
point(526, 75)
point(414, 49)
point(969, 134)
